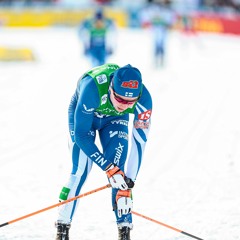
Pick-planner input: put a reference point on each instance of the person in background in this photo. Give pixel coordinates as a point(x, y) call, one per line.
point(98, 35)
point(159, 17)
point(105, 96)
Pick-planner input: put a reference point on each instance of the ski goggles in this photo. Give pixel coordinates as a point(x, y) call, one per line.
point(121, 100)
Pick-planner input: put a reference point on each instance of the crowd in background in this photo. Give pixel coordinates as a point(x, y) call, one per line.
point(200, 5)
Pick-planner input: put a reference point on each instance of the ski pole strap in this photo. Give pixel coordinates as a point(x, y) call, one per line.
point(123, 193)
point(114, 170)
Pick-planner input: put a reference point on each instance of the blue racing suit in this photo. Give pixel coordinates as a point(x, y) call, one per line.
point(85, 118)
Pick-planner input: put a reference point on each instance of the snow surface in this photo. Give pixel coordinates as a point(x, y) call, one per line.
point(190, 176)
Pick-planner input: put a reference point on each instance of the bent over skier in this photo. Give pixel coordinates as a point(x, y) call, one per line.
point(103, 100)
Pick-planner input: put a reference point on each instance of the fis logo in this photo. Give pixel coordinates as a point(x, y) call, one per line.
point(130, 84)
point(145, 115)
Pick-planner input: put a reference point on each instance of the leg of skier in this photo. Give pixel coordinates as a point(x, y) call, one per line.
point(98, 56)
point(81, 167)
point(114, 139)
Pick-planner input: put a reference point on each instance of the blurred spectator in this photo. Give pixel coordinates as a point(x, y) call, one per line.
point(103, 1)
point(98, 35)
point(222, 5)
point(26, 2)
point(159, 18)
point(203, 5)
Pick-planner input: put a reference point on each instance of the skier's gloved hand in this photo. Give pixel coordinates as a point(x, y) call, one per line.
point(124, 202)
point(116, 177)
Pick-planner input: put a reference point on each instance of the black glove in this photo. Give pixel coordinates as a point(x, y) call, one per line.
point(129, 182)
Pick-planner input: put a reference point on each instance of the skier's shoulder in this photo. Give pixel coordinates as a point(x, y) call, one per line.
point(106, 69)
point(85, 81)
point(85, 22)
point(87, 90)
point(145, 98)
point(143, 111)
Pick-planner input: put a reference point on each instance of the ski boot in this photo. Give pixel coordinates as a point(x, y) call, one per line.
point(124, 231)
point(62, 231)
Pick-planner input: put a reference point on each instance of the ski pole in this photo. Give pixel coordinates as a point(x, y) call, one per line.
point(56, 205)
point(165, 225)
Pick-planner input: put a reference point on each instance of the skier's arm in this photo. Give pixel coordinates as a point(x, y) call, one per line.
point(88, 101)
point(141, 127)
point(84, 35)
point(111, 36)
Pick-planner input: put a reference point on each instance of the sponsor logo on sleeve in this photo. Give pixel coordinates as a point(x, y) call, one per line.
point(119, 151)
point(141, 124)
point(87, 110)
point(112, 134)
point(120, 122)
point(145, 115)
point(120, 134)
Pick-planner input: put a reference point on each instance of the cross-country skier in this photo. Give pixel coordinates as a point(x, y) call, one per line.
point(104, 98)
point(98, 35)
point(160, 18)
